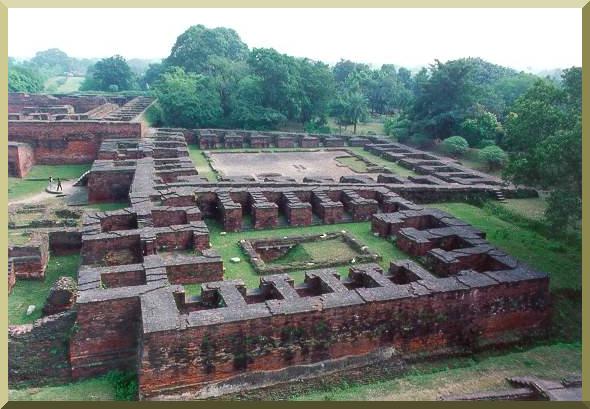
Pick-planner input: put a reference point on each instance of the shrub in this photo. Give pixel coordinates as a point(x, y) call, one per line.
point(484, 143)
point(420, 140)
point(124, 383)
point(153, 115)
point(455, 145)
point(494, 156)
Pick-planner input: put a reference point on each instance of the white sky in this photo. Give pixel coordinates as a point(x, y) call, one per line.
point(529, 39)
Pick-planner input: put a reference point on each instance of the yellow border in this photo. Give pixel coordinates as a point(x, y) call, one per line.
point(5, 4)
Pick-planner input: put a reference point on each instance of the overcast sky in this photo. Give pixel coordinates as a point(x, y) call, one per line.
point(527, 39)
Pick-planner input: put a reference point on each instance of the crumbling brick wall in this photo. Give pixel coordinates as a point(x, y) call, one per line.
point(181, 360)
point(105, 338)
point(39, 352)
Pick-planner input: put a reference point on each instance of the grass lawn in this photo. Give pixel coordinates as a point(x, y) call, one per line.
point(34, 292)
point(371, 127)
point(63, 85)
point(377, 160)
point(353, 163)
point(37, 179)
point(532, 208)
point(428, 381)
point(561, 262)
point(319, 251)
point(90, 389)
point(201, 163)
point(227, 246)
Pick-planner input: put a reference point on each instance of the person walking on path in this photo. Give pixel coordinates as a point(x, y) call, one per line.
point(59, 184)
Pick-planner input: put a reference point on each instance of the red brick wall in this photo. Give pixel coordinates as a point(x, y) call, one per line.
point(20, 160)
point(105, 337)
point(171, 361)
point(69, 142)
point(109, 186)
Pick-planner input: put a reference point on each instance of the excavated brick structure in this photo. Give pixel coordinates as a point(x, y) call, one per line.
point(54, 130)
point(134, 312)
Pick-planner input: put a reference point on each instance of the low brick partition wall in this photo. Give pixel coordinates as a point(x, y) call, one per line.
point(30, 260)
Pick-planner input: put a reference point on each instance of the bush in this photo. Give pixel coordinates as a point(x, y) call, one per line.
point(494, 156)
point(455, 145)
point(484, 143)
point(153, 115)
point(420, 140)
point(317, 126)
point(124, 383)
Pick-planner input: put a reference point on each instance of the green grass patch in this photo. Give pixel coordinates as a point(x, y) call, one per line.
point(201, 164)
point(486, 371)
point(532, 208)
point(63, 85)
point(34, 292)
point(318, 251)
point(561, 262)
point(37, 179)
point(353, 163)
point(370, 127)
point(228, 246)
point(89, 389)
point(377, 160)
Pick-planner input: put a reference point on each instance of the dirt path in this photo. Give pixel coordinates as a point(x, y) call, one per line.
point(68, 187)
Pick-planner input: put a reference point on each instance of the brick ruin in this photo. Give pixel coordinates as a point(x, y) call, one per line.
point(63, 129)
point(455, 293)
point(262, 252)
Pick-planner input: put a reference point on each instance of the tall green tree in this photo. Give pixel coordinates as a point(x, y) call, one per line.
point(544, 137)
point(188, 100)
point(195, 47)
point(22, 79)
point(110, 74)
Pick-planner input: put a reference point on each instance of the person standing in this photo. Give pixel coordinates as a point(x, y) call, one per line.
point(50, 182)
point(59, 184)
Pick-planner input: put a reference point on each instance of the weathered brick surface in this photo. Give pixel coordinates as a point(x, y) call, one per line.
point(69, 141)
point(134, 314)
point(39, 352)
point(20, 159)
point(297, 331)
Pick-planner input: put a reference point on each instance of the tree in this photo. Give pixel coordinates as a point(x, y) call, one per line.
point(482, 126)
point(108, 74)
point(494, 156)
point(247, 110)
point(351, 108)
point(52, 61)
point(198, 44)
point(188, 100)
point(281, 82)
point(455, 145)
point(317, 86)
point(544, 137)
point(449, 93)
point(344, 68)
point(23, 80)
